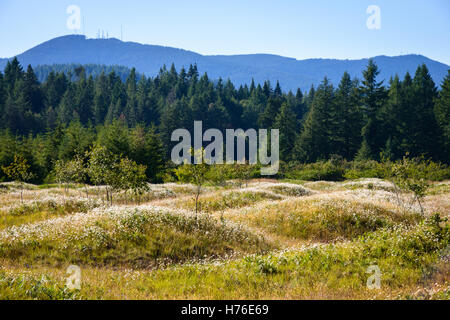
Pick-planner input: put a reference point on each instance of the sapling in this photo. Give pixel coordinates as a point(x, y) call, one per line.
point(409, 175)
point(18, 171)
point(197, 174)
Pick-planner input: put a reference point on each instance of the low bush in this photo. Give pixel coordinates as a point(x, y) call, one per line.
point(322, 170)
point(337, 170)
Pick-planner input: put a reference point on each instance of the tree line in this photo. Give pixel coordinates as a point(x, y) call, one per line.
point(68, 114)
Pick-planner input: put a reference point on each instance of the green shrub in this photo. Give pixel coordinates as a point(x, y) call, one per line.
point(337, 169)
point(322, 170)
point(365, 169)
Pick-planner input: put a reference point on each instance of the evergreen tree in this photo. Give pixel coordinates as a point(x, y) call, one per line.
point(75, 142)
point(53, 89)
point(314, 141)
point(373, 97)
point(32, 92)
point(267, 118)
point(19, 115)
point(299, 106)
point(114, 111)
point(217, 116)
point(2, 100)
point(424, 128)
point(286, 122)
point(50, 150)
point(395, 115)
point(404, 117)
point(192, 74)
point(309, 97)
point(175, 116)
point(267, 89)
point(115, 138)
point(65, 111)
point(442, 113)
point(252, 86)
point(13, 72)
point(84, 99)
point(131, 105)
point(348, 118)
point(147, 149)
point(102, 99)
point(12, 116)
point(364, 152)
point(277, 92)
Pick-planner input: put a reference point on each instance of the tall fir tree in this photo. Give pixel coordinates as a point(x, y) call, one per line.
point(32, 91)
point(424, 127)
point(267, 118)
point(175, 116)
point(102, 99)
point(2, 100)
point(147, 149)
point(373, 95)
point(13, 72)
point(314, 141)
point(442, 113)
point(348, 118)
point(65, 111)
point(394, 114)
point(286, 122)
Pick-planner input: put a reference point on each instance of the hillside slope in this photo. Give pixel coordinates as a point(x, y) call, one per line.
point(148, 59)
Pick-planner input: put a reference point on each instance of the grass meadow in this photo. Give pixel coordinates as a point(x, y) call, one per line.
point(268, 239)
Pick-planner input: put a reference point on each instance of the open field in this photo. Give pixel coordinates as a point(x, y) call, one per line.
point(265, 240)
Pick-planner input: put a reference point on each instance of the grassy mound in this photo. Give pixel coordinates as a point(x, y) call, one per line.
point(136, 238)
point(41, 210)
point(322, 220)
point(290, 190)
point(227, 200)
point(404, 255)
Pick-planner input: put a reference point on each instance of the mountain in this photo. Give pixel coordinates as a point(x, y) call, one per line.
point(148, 59)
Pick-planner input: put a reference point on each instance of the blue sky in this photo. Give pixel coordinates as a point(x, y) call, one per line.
point(294, 28)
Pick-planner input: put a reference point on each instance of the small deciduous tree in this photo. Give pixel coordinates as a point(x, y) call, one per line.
point(116, 173)
point(73, 171)
point(131, 176)
point(19, 171)
point(219, 174)
point(243, 173)
point(101, 169)
point(197, 174)
point(409, 176)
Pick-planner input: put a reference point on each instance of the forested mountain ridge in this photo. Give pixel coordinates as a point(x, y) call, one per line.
point(240, 69)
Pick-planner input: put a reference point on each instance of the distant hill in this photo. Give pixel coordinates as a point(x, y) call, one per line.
point(148, 59)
